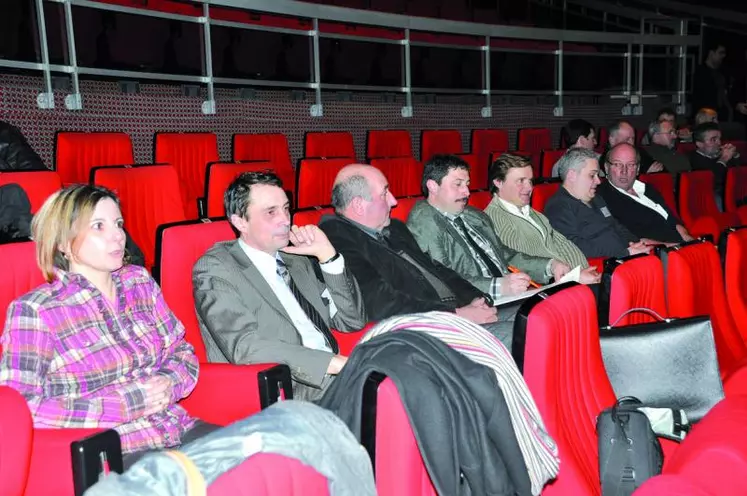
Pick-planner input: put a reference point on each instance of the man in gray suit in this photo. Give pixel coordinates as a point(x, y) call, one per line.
point(260, 299)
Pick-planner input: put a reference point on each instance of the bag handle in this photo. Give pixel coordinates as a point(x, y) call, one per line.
point(639, 309)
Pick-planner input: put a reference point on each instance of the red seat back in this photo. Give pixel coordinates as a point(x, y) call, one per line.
point(564, 371)
point(311, 215)
point(77, 153)
point(602, 137)
point(38, 185)
point(696, 196)
point(534, 139)
point(480, 199)
point(486, 142)
point(741, 147)
point(664, 184)
point(399, 464)
point(189, 154)
point(20, 273)
point(549, 157)
point(150, 196)
point(695, 286)
point(180, 245)
point(435, 142)
point(268, 474)
point(16, 432)
point(316, 176)
point(736, 188)
point(735, 262)
point(338, 144)
point(403, 174)
point(267, 148)
point(219, 177)
point(637, 283)
point(541, 193)
point(404, 205)
point(685, 148)
point(389, 144)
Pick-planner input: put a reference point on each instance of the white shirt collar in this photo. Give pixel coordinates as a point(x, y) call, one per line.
point(638, 187)
point(520, 211)
point(265, 263)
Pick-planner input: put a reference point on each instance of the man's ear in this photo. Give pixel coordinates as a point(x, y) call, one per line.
point(432, 187)
point(239, 223)
point(497, 183)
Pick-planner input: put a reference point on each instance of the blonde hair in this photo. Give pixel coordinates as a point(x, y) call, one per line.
point(59, 221)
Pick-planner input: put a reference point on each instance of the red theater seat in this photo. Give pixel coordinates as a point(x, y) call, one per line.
point(38, 185)
point(480, 199)
point(404, 205)
point(403, 174)
point(150, 196)
point(311, 215)
point(389, 144)
point(698, 208)
point(219, 176)
point(486, 142)
point(736, 188)
point(267, 148)
point(549, 157)
point(337, 144)
point(189, 154)
point(542, 192)
point(664, 184)
point(439, 142)
point(635, 282)
point(16, 434)
point(20, 275)
point(534, 139)
point(268, 474)
point(316, 176)
point(77, 153)
point(735, 261)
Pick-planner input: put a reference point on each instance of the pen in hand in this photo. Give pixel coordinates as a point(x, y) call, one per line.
point(514, 270)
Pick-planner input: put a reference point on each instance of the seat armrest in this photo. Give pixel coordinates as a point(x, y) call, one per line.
point(347, 340)
point(226, 392)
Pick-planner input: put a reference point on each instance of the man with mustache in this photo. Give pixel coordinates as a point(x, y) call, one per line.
point(462, 238)
point(579, 214)
point(260, 299)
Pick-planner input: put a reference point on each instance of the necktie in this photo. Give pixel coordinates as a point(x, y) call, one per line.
point(307, 307)
point(494, 270)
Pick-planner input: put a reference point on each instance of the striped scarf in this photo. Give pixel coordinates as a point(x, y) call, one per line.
point(537, 447)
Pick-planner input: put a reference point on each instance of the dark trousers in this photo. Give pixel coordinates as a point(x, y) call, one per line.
point(200, 429)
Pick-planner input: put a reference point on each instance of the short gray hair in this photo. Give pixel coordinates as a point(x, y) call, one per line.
point(575, 158)
point(653, 128)
point(347, 190)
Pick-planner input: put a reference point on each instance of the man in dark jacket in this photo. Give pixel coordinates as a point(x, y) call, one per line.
point(710, 154)
point(636, 205)
point(394, 274)
point(15, 152)
point(580, 215)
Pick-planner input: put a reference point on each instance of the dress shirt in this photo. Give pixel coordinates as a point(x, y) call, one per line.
point(311, 337)
point(81, 361)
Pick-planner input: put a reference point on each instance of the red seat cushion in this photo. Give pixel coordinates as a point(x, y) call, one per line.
point(311, 215)
point(664, 184)
point(268, 474)
point(404, 205)
point(20, 274)
point(189, 154)
point(77, 153)
point(637, 283)
point(437, 142)
point(150, 196)
point(15, 448)
point(734, 265)
point(534, 139)
point(485, 142)
point(480, 199)
point(389, 144)
point(38, 185)
point(736, 188)
point(541, 193)
point(549, 157)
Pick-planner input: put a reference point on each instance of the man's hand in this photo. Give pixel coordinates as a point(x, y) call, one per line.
point(478, 312)
point(158, 391)
point(655, 167)
point(336, 364)
point(514, 284)
point(684, 133)
point(742, 108)
point(310, 240)
point(589, 276)
point(727, 152)
point(559, 269)
point(639, 247)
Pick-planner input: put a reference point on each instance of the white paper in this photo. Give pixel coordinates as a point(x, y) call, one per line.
point(572, 275)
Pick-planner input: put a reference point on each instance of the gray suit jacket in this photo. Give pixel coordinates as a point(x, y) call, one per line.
point(243, 322)
point(436, 236)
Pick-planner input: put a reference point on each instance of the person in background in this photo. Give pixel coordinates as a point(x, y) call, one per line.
point(709, 85)
point(713, 155)
point(663, 139)
point(578, 133)
point(622, 131)
point(96, 346)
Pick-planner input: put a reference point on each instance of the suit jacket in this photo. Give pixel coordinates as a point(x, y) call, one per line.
point(243, 322)
point(639, 219)
point(390, 284)
point(439, 239)
point(596, 234)
point(701, 162)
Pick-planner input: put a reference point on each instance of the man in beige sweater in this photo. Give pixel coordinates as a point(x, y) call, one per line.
point(522, 228)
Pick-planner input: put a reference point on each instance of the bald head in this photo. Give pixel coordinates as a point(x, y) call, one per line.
point(361, 194)
point(622, 165)
point(623, 152)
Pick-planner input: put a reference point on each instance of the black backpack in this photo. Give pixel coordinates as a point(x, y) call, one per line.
point(15, 214)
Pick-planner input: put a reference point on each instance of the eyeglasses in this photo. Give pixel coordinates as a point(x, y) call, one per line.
point(621, 166)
